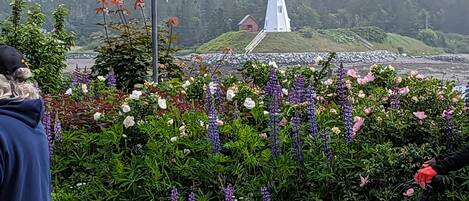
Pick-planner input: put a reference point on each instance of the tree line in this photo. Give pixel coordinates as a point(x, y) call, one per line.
point(202, 20)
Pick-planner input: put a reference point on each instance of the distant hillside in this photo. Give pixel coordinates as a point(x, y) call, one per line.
point(336, 40)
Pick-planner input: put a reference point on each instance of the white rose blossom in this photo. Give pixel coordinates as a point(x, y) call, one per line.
point(97, 116)
point(125, 108)
point(135, 95)
point(129, 121)
point(249, 103)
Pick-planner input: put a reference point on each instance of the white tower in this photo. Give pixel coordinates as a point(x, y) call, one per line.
point(276, 18)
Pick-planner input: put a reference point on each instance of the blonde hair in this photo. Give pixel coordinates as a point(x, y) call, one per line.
point(16, 86)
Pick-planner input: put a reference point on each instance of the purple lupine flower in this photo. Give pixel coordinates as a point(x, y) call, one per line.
point(394, 98)
point(58, 130)
point(296, 96)
point(265, 194)
point(76, 76)
point(467, 96)
point(346, 106)
point(229, 193)
point(311, 99)
point(325, 145)
point(342, 86)
point(297, 142)
point(347, 117)
point(448, 130)
point(192, 197)
point(85, 77)
point(111, 79)
point(273, 87)
point(46, 121)
point(217, 93)
point(274, 91)
point(213, 132)
point(174, 194)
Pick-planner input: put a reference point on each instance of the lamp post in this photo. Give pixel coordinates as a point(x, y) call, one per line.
point(154, 39)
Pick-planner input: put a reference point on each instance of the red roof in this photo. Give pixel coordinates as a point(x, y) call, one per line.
point(246, 18)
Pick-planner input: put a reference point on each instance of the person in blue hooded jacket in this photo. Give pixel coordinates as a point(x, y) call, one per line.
point(24, 150)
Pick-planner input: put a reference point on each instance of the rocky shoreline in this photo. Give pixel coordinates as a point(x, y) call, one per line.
point(342, 57)
point(310, 57)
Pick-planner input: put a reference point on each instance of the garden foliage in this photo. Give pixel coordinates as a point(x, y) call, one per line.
point(45, 50)
point(157, 143)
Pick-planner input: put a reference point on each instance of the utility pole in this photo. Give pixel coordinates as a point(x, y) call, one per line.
point(154, 39)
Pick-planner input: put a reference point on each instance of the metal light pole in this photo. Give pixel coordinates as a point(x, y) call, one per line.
point(154, 39)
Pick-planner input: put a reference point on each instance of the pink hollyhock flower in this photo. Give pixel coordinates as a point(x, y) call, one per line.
point(404, 90)
point(368, 110)
point(363, 181)
point(409, 192)
point(352, 73)
point(358, 123)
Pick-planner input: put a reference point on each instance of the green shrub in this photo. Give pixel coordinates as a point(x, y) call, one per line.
point(307, 32)
point(44, 51)
point(372, 34)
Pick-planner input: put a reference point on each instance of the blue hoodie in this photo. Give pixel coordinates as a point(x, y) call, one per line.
point(24, 152)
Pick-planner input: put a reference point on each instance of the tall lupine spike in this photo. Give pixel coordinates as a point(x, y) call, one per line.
point(274, 91)
point(296, 96)
point(213, 132)
point(76, 76)
point(192, 197)
point(111, 79)
point(448, 130)
point(57, 129)
point(394, 98)
point(325, 145)
point(229, 193)
point(217, 93)
point(265, 194)
point(85, 77)
point(467, 97)
point(174, 194)
point(312, 121)
point(46, 121)
point(342, 91)
point(346, 106)
point(297, 142)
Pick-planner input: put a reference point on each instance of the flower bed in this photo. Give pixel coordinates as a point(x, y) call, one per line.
point(299, 134)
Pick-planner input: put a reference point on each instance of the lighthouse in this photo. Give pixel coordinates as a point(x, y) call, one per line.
point(276, 18)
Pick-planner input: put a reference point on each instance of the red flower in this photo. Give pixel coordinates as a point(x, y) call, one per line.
point(139, 4)
point(172, 22)
point(118, 2)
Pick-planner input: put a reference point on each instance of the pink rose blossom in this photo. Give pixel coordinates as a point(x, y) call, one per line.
point(404, 90)
point(413, 73)
point(363, 181)
point(263, 136)
point(358, 123)
point(352, 73)
point(368, 110)
point(420, 115)
point(409, 192)
point(328, 82)
point(440, 97)
point(370, 77)
point(420, 76)
point(456, 99)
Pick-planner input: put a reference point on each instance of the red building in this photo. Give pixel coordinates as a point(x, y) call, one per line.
point(248, 24)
